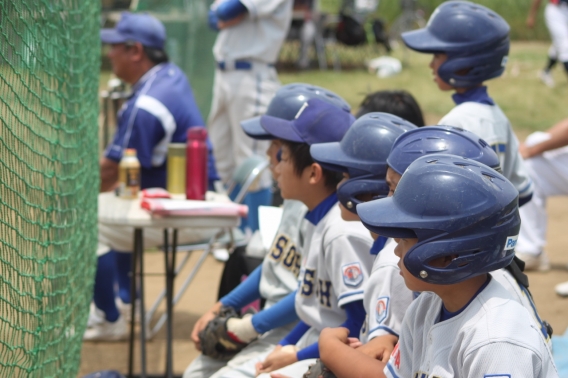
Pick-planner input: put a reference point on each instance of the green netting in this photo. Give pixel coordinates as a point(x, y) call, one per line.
point(49, 67)
point(190, 42)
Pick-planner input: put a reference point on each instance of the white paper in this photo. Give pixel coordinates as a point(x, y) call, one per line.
point(268, 221)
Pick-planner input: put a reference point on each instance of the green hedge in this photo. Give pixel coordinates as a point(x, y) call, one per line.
point(514, 11)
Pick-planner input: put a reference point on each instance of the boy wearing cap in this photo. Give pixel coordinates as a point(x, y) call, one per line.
point(160, 111)
point(335, 260)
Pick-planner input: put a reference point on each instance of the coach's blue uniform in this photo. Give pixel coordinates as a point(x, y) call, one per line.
point(160, 111)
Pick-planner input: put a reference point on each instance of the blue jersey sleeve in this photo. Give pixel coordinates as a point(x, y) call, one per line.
point(230, 9)
point(246, 292)
point(141, 131)
point(278, 315)
point(295, 334)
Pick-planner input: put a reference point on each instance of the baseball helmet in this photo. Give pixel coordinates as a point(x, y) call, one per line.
point(440, 140)
point(286, 103)
point(457, 208)
point(362, 153)
point(475, 39)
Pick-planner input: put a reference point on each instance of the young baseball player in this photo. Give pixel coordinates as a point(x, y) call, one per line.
point(276, 279)
point(456, 220)
point(335, 261)
point(556, 19)
point(470, 44)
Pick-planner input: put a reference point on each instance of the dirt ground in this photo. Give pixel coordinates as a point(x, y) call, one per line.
point(203, 291)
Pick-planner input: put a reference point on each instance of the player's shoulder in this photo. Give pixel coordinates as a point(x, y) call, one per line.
point(336, 227)
point(474, 112)
point(386, 259)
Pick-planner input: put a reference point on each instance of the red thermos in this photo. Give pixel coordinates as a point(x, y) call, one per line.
point(196, 164)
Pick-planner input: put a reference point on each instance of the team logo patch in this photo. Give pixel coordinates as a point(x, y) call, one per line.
point(382, 309)
point(352, 274)
point(511, 242)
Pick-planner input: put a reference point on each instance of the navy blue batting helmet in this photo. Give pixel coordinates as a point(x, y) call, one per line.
point(286, 104)
point(362, 153)
point(440, 140)
point(475, 39)
point(458, 209)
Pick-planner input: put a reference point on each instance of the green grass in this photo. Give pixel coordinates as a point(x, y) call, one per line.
point(525, 100)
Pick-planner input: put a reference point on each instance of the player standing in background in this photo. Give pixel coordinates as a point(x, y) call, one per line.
point(276, 279)
point(251, 33)
point(556, 19)
point(470, 44)
point(546, 159)
point(453, 226)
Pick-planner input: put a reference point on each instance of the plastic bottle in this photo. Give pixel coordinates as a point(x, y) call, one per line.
point(196, 164)
point(129, 175)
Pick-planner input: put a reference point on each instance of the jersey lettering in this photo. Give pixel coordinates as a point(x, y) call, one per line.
point(396, 356)
point(308, 282)
point(424, 375)
point(283, 250)
point(324, 292)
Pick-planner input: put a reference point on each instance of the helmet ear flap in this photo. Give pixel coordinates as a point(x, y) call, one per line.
point(369, 184)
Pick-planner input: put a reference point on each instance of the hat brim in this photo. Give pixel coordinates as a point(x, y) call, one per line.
point(383, 217)
point(280, 129)
point(253, 129)
point(423, 41)
point(331, 156)
point(112, 36)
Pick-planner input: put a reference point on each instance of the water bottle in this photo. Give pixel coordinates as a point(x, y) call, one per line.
point(129, 175)
point(196, 164)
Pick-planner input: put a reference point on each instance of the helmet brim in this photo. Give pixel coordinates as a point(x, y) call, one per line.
point(280, 128)
point(254, 129)
point(422, 40)
point(385, 218)
point(331, 156)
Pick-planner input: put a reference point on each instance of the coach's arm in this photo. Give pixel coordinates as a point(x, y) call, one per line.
point(109, 174)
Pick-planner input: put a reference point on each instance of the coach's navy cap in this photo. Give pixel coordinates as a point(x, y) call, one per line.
point(316, 122)
point(142, 27)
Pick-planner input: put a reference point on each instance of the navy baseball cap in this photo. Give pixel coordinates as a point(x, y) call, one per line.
point(317, 121)
point(142, 27)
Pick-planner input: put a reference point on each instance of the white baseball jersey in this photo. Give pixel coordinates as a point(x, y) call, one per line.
point(259, 36)
point(335, 265)
point(281, 265)
point(491, 124)
point(506, 279)
point(386, 296)
point(492, 337)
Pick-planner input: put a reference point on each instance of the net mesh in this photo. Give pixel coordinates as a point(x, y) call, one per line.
point(190, 42)
point(49, 68)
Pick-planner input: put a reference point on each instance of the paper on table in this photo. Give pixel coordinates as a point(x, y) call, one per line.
point(269, 218)
point(172, 207)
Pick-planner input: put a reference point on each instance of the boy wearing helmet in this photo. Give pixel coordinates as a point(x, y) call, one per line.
point(470, 44)
point(275, 280)
point(454, 221)
point(408, 147)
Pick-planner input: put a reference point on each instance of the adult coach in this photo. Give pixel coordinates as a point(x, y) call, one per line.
point(556, 19)
point(159, 111)
point(251, 33)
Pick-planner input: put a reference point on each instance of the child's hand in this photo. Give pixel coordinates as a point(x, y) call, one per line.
point(379, 348)
point(334, 334)
point(354, 342)
point(280, 357)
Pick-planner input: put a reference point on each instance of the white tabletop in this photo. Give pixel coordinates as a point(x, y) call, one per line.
point(125, 212)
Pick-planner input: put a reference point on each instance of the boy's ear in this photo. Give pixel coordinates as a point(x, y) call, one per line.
point(316, 174)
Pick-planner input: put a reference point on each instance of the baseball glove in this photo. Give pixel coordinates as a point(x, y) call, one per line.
point(318, 370)
point(216, 341)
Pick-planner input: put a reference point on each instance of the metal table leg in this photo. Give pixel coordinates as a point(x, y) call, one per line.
point(170, 257)
point(137, 278)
